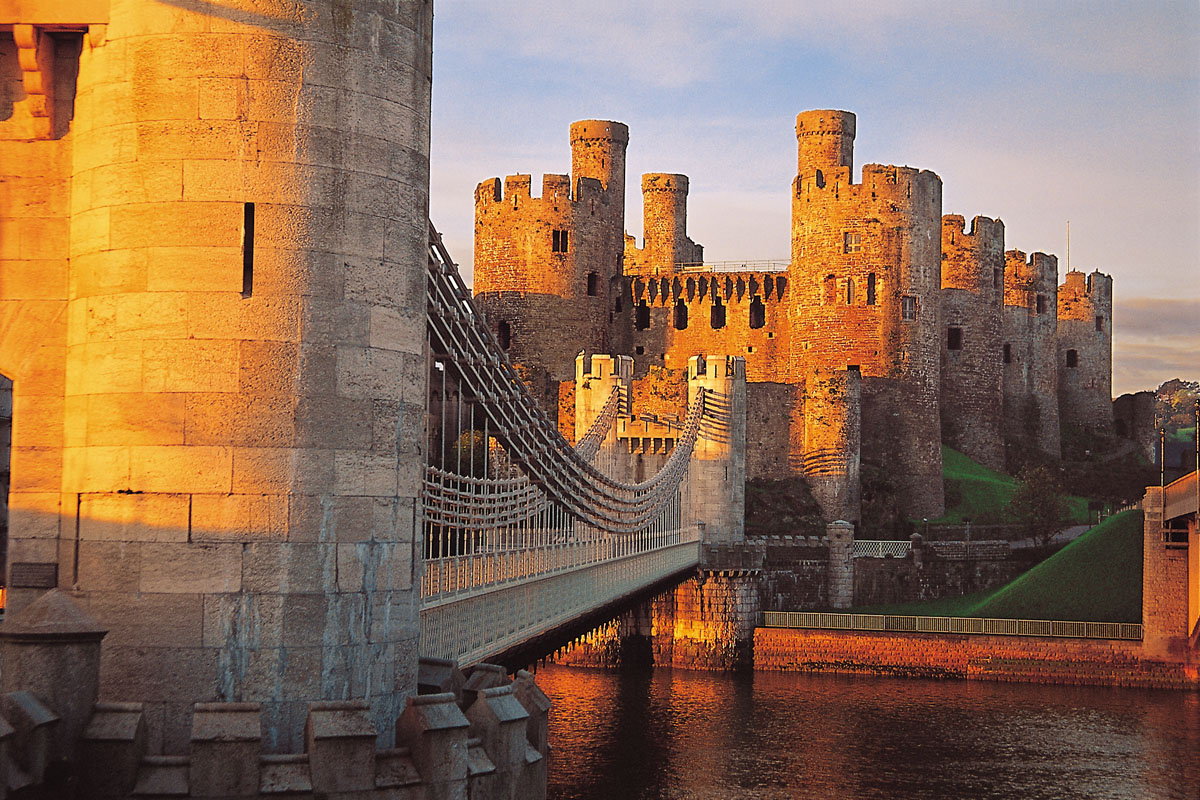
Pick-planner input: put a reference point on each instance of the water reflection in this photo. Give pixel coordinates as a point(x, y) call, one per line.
point(696, 736)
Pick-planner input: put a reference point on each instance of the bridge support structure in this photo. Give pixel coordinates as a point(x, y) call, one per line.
point(1171, 572)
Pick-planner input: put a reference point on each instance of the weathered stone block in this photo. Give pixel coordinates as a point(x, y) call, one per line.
point(226, 739)
point(340, 742)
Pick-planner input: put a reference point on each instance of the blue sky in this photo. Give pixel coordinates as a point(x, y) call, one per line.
point(1036, 113)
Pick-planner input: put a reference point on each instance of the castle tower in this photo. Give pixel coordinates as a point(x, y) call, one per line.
point(1085, 354)
point(1029, 352)
point(826, 145)
point(666, 245)
point(222, 456)
point(833, 442)
point(972, 310)
point(553, 263)
point(866, 291)
point(716, 485)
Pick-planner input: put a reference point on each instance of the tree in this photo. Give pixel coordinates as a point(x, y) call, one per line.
point(1039, 502)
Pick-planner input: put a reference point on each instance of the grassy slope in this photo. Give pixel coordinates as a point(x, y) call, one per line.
point(983, 494)
point(1097, 577)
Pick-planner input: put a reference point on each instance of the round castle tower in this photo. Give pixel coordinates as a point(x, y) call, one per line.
point(1085, 353)
point(972, 310)
point(1029, 352)
point(239, 419)
point(666, 245)
point(866, 278)
point(553, 263)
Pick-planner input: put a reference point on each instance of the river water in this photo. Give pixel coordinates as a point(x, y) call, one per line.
point(621, 735)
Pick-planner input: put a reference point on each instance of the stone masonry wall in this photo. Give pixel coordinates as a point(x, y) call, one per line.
point(865, 278)
point(1029, 333)
point(971, 398)
point(1004, 658)
point(240, 366)
point(552, 263)
point(1133, 419)
point(1085, 353)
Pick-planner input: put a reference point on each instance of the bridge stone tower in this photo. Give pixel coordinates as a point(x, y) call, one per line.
point(219, 381)
point(866, 281)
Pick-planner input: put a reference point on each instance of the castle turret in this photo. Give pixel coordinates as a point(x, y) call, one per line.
point(866, 282)
point(1085, 354)
point(972, 310)
point(666, 246)
point(826, 144)
point(1029, 352)
point(547, 269)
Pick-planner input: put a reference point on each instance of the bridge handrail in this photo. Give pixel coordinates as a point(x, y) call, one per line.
point(892, 623)
point(1180, 497)
point(529, 435)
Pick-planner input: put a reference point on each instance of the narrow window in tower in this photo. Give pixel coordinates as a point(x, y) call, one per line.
point(758, 313)
point(1100, 323)
point(642, 317)
point(558, 241)
point(908, 308)
point(618, 306)
point(830, 290)
point(953, 338)
point(1072, 358)
point(1007, 353)
point(247, 249)
point(849, 291)
point(639, 350)
point(593, 284)
point(504, 334)
point(995, 279)
point(1041, 304)
point(717, 316)
point(870, 288)
point(853, 242)
point(681, 315)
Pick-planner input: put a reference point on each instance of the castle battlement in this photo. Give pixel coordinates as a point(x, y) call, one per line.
point(1094, 289)
point(973, 260)
point(556, 191)
point(880, 182)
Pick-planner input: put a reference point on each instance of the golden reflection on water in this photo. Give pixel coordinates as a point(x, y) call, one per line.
point(703, 736)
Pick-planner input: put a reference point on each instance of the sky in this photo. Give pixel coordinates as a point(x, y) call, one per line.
point(1038, 113)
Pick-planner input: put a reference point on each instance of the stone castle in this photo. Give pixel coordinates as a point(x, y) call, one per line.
point(892, 329)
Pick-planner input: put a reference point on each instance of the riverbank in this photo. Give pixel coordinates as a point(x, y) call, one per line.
point(1091, 662)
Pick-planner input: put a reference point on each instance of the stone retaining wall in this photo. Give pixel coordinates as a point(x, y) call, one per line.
point(1099, 662)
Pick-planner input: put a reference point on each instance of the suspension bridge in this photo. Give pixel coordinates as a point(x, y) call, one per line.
point(524, 532)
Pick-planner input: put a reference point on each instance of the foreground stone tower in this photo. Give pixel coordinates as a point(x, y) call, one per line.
point(215, 322)
point(1085, 354)
point(866, 278)
point(553, 263)
point(972, 358)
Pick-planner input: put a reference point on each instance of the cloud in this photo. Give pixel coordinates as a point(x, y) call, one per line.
point(1154, 340)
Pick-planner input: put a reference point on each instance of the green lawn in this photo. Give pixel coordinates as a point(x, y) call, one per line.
point(982, 495)
point(1096, 578)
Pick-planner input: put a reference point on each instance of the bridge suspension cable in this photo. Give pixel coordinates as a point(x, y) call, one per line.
point(562, 473)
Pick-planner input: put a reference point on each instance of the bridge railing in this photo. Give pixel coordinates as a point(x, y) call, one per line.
point(881, 548)
point(1180, 497)
point(891, 623)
